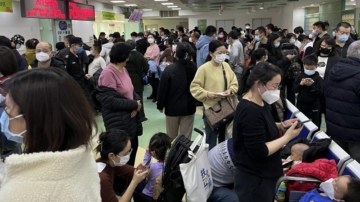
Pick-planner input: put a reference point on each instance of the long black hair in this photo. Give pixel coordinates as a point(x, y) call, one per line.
point(112, 141)
point(263, 71)
point(160, 143)
point(271, 45)
point(257, 55)
point(214, 44)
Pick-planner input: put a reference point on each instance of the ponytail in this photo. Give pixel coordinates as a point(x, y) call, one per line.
point(208, 58)
point(243, 86)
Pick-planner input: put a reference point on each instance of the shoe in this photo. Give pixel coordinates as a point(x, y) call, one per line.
point(154, 100)
point(144, 120)
point(150, 97)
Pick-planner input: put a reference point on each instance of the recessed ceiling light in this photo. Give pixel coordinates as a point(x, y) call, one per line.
point(130, 5)
point(165, 4)
point(172, 6)
point(147, 9)
point(117, 1)
point(312, 5)
point(176, 8)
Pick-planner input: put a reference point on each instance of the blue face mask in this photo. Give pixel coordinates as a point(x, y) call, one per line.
point(79, 50)
point(257, 38)
point(162, 37)
point(277, 44)
point(343, 38)
point(309, 72)
point(314, 32)
point(4, 121)
point(292, 41)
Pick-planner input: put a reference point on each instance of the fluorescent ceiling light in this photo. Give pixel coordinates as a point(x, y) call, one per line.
point(130, 5)
point(172, 6)
point(117, 1)
point(161, 0)
point(176, 8)
point(147, 9)
point(165, 4)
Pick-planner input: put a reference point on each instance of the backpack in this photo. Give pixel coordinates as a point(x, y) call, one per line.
point(172, 181)
point(293, 71)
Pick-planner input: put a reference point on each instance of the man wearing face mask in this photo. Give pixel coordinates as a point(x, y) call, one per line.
point(320, 32)
point(259, 41)
point(343, 40)
point(341, 189)
point(236, 59)
point(45, 57)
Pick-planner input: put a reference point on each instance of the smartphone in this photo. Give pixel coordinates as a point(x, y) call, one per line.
point(300, 123)
point(287, 164)
point(147, 165)
point(309, 79)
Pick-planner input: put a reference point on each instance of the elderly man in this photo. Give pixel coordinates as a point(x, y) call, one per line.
point(45, 57)
point(342, 92)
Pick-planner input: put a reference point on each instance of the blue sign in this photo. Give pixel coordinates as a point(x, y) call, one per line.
point(63, 25)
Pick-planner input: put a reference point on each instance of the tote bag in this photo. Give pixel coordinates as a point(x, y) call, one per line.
point(197, 173)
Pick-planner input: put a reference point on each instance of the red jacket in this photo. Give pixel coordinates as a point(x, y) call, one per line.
point(322, 169)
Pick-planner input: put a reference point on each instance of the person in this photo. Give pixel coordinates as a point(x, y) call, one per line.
point(353, 33)
point(57, 136)
point(117, 38)
point(298, 31)
point(8, 67)
point(17, 43)
point(222, 36)
point(259, 55)
point(213, 77)
point(259, 41)
point(97, 63)
point(319, 32)
point(59, 46)
point(134, 36)
point(305, 44)
point(222, 163)
point(343, 40)
point(150, 190)
point(194, 37)
point(284, 33)
point(153, 54)
point(105, 49)
point(102, 36)
point(196, 29)
point(45, 57)
point(236, 58)
point(142, 44)
point(326, 23)
point(256, 135)
point(310, 87)
point(174, 94)
point(202, 45)
point(167, 55)
point(342, 188)
point(111, 37)
point(115, 149)
point(275, 56)
point(30, 50)
point(342, 102)
point(137, 66)
point(269, 29)
point(21, 61)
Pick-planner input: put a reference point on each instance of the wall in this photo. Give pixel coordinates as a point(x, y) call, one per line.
point(166, 23)
point(13, 23)
point(331, 12)
point(83, 29)
point(298, 18)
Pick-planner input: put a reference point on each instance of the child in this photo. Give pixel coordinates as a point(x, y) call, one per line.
point(309, 86)
point(297, 152)
point(158, 146)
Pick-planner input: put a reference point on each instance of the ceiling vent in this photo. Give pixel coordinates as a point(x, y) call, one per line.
point(169, 13)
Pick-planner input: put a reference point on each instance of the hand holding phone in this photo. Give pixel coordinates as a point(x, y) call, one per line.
point(300, 123)
point(147, 165)
point(287, 164)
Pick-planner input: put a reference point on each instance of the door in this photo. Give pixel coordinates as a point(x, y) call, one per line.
point(260, 22)
point(226, 24)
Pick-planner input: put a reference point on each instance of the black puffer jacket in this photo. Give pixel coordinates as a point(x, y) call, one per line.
point(116, 110)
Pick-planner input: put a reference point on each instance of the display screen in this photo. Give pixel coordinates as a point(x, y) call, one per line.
point(79, 11)
point(49, 9)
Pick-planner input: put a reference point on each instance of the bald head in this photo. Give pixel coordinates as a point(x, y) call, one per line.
point(45, 45)
point(297, 151)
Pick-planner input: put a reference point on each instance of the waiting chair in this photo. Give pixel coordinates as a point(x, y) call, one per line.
point(352, 169)
point(290, 111)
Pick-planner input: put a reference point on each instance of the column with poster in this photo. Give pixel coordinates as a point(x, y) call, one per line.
point(202, 25)
point(6, 6)
point(63, 28)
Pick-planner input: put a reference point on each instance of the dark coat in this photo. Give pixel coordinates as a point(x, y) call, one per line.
point(342, 51)
point(55, 62)
point(63, 54)
point(317, 42)
point(142, 45)
point(276, 58)
point(116, 110)
point(95, 78)
point(342, 92)
point(174, 89)
point(309, 94)
point(22, 63)
point(136, 66)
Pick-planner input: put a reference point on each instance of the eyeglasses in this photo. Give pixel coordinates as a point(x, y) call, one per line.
point(278, 87)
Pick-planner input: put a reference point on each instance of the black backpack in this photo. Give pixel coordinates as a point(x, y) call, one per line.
point(172, 180)
point(295, 68)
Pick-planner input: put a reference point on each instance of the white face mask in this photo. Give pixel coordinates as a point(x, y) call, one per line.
point(190, 39)
point(328, 188)
point(151, 40)
point(221, 36)
point(220, 58)
point(270, 96)
point(42, 57)
point(123, 160)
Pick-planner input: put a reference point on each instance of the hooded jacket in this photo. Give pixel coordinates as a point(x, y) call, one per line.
point(105, 52)
point(55, 62)
point(51, 176)
point(342, 51)
point(342, 92)
point(202, 47)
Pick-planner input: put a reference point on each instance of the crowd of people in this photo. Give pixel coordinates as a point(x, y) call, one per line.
point(50, 99)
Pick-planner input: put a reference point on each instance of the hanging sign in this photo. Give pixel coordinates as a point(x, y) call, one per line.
point(108, 15)
point(48, 9)
point(6, 6)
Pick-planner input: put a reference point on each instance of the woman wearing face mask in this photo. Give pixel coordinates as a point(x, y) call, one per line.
point(256, 143)
point(57, 138)
point(167, 55)
point(275, 56)
point(209, 81)
point(153, 54)
point(222, 36)
point(259, 55)
point(115, 149)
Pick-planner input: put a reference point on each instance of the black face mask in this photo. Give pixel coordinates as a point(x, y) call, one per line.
point(325, 51)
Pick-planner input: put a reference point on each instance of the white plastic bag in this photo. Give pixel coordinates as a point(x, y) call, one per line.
point(197, 173)
point(229, 130)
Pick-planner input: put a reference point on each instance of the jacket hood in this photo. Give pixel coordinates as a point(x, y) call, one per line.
point(203, 40)
point(345, 68)
point(108, 45)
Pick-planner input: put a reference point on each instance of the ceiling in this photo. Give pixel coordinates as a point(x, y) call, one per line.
point(211, 5)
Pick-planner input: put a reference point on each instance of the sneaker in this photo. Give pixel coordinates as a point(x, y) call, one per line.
point(154, 100)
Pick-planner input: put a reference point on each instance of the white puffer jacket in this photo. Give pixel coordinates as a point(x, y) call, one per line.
point(68, 176)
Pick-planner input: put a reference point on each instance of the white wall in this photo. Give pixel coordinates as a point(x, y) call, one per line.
point(166, 23)
point(83, 29)
point(13, 23)
point(298, 18)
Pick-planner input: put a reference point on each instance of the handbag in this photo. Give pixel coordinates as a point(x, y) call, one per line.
point(222, 112)
point(196, 174)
